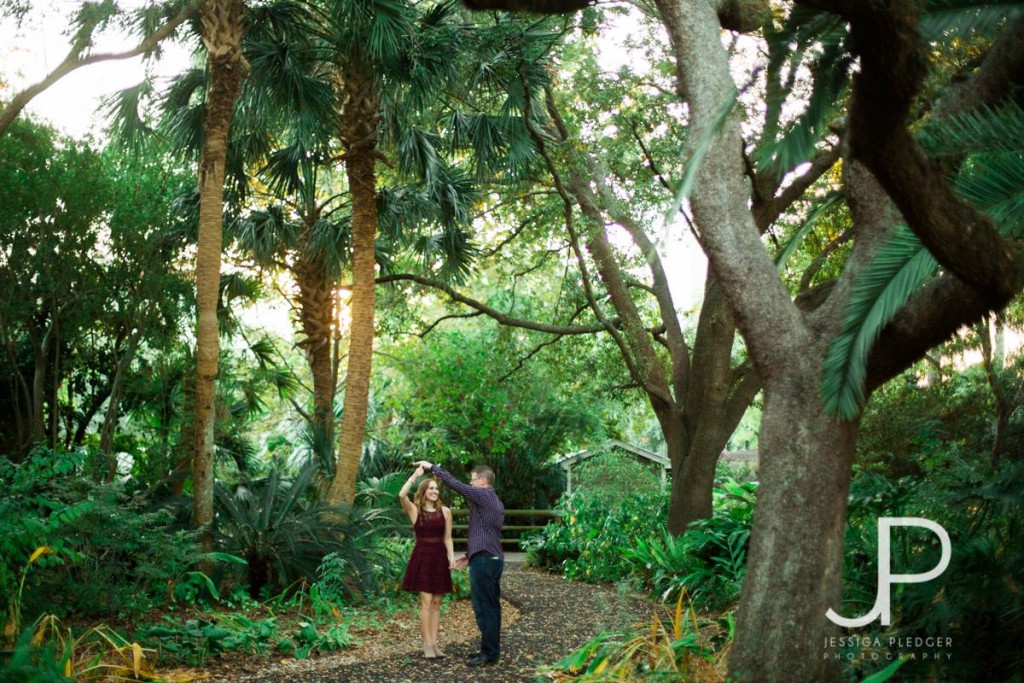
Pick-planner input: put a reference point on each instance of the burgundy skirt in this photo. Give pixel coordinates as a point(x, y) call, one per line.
point(428, 569)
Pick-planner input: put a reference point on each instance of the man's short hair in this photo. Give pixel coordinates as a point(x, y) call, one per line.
point(484, 471)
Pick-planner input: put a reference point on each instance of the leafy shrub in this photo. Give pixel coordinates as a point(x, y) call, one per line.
point(587, 543)
point(284, 534)
point(709, 561)
point(977, 601)
point(903, 422)
point(599, 542)
point(614, 476)
point(109, 551)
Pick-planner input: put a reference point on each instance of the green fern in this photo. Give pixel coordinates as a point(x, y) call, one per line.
point(899, 269)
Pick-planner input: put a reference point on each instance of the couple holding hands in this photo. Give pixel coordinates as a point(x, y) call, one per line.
point(433, 556)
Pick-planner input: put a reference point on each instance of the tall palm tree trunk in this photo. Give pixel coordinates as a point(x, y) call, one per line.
point(317, 299)
point(360, 120)
point(223, 23)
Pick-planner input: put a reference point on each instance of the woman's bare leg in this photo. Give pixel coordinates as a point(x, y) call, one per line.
point(427, 628)
point(435, 622)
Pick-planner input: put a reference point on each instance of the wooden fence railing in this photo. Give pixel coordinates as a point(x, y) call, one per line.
point(519, 524)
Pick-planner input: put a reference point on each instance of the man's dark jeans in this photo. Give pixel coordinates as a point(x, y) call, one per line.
point(485, 591)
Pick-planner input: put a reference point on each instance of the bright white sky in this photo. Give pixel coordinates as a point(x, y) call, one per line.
point(29, 53)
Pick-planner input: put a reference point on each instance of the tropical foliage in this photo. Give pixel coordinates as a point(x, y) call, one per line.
point(353, 233)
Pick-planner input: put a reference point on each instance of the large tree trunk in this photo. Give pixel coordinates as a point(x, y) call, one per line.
point(360, 135)
point(716, 398)
point(795, 564)
point(795, 560)
point(698, 397)
point(223, 27)
point(317, 299)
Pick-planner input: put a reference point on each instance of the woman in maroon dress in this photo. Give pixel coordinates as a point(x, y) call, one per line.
point(429, 569)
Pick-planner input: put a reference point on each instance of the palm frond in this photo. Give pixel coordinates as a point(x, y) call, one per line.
point(400, 208)
point(288, 168)
point(982, 131)
point(896, 273)
point(264, 351)
point(265, 234)
point(819, 39)
point(991, 144)
point(830, 80)
point(417, 153)
point(123, 112)
point(237, 449)
point(184, 112)
point(284, 380)
point(454, 194)
point(371, 31)
point(331, 240)
point(995, 183)
point(450, 253)
point(287, 80)
point(822, 206)
point(236, 286)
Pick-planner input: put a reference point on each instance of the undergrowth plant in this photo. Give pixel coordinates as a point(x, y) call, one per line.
point(282, 531)
point(678, 646)
point(586, 544)
point(48, 652)
point(110, 552)
point(709, 560)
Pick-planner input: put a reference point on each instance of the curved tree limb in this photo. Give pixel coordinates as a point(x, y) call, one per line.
point(893, 62)
point(74, 60)
point(491, 312)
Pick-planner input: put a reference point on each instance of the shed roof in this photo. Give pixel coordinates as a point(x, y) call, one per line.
point(567, 460)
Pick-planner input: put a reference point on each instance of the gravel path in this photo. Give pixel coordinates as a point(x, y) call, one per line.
point(544, 619)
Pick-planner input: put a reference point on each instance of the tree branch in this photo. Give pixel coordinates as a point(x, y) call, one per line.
point(430, 328)
point(768, 211)
point(893, 64)
point(74, 61)
point(531, 354)
point(489, 311)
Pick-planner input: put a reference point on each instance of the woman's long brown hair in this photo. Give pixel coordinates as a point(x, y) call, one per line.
point(421, 493)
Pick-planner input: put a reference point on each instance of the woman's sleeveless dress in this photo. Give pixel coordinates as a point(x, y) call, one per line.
point(428, 568)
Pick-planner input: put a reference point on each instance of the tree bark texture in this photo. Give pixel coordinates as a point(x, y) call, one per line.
point(223, 23)
point(795, 561)
point(360, 121)
point(317, 317)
